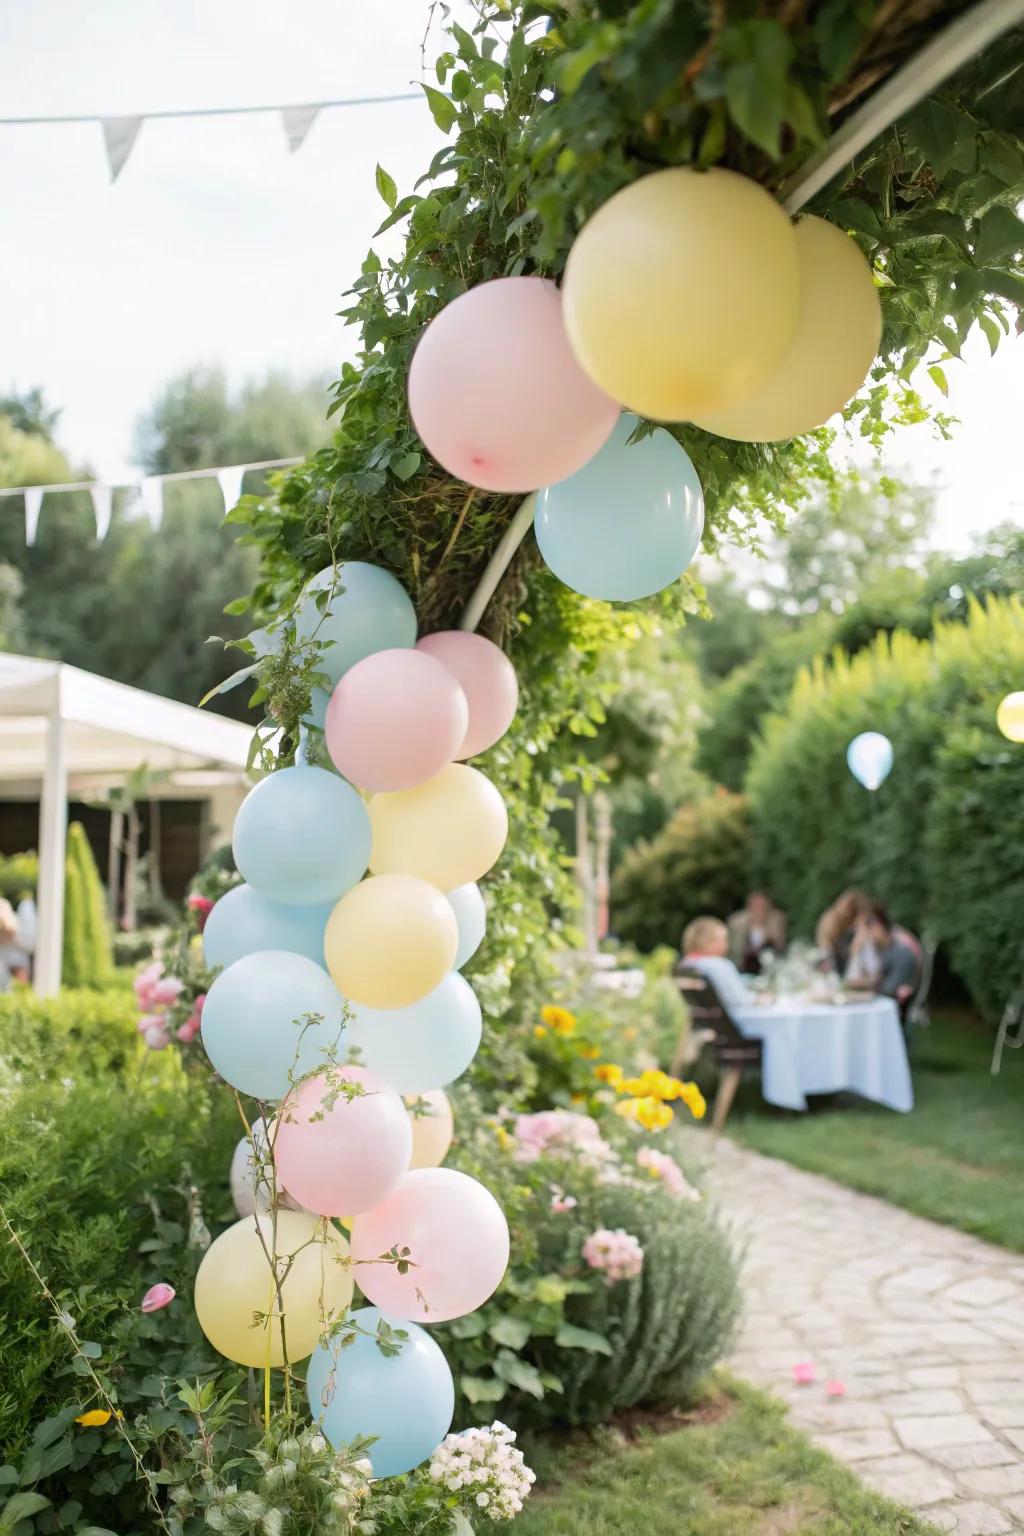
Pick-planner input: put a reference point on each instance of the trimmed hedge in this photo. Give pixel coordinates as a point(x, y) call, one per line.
point(696, 864)
point(88, 960)
point(940, 841)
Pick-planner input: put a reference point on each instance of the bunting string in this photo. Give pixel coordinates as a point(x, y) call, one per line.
point(147, 493)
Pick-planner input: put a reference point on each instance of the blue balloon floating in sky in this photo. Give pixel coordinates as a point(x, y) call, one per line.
point(252, 1021)
point(302, 836)
point(407, 1399)
point(869, 758)
point(243, 922)
point(628, 523)
point(426, 1045)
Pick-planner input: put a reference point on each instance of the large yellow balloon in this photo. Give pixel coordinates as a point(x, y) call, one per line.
point(235, 1280)
point(390, 941)
point(432, 1128)
point(1010, 717)
point(837, 336)
point(449, 830)
point(680, 295)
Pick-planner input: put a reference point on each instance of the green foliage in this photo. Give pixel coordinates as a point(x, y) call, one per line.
point(87, 959)
point(932, 844)
point(697, 864)
point(19, 875)
point(85, 1033)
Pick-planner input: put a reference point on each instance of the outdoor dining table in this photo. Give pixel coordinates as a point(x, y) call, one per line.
point(809, 1047)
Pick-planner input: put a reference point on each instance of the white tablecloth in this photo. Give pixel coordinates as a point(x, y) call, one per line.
point(815, 1048)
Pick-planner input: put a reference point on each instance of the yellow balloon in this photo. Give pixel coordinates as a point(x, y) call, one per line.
point(1010, 717)
point(235, 1280)
point(449, 830)
point(681, 294)
point(390, 941)
point(837, 336)
point(432, 1128)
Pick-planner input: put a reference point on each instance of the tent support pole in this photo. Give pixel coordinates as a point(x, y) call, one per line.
point(53, 826)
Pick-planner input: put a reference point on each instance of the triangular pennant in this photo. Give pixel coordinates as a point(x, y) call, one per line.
point(102, 496)
point(230, 481)
point(297, 123)
point(33, 506)
point(151, 495)
point(119, 135)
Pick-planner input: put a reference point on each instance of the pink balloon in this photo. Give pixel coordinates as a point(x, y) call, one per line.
point(353, 1157)
point(458, 1242)
point(496, 393)
point(486, 677)
point(395, 720)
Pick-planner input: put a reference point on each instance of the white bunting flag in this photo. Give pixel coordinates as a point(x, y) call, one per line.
point(230, 481)
point(102, 498)
point(33, 506)
point(119, 135)
point(297, 123)
point(151, 494)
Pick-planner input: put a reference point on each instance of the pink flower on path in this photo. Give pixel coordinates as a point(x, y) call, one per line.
point(803, 1373)
point(158, 1296)
point(835, 1389)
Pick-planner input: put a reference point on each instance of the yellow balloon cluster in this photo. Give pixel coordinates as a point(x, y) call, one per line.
point(234, 1282)
point(690, 296)
point(391, 940)
point(1010, 716)
point(450, 830)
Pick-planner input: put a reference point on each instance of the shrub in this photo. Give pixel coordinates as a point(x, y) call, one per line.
point(697, 863)
point(934, 841)
point(87, 959)
point(85, 1034)
point(19, 875)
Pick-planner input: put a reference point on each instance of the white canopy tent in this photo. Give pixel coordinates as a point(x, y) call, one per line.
point(61, 727)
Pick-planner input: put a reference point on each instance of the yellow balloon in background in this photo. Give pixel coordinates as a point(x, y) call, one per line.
point(390, 940)
point(1010, 717)
point(681, 293)
point(837, 335)
point(432, 1129)
point(235, 1280)
point(449, 830)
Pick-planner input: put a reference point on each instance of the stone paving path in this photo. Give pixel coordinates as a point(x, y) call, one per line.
point(923, 1324)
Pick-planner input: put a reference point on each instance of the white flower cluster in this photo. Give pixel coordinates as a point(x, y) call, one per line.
point(486, 1467)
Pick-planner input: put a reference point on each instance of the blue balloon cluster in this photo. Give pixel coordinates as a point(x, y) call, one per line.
point(426, 1045)
point(628, 523)
point(406, 1400)
point(366, 611)
point(253, 1021)
point(467, 903)
point(302, 836)
point(243, 922)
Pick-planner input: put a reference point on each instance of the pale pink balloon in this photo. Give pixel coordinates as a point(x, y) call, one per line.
point(486, 677)
point(496, 393)
point(395, 720)
point(352, 1157)
point(458, 1242)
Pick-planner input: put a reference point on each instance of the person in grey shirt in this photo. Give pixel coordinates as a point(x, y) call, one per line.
point(893, 966)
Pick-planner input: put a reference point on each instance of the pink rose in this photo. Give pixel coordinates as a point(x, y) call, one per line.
point(201, 906)
point(165, 991)
point(160, 1295)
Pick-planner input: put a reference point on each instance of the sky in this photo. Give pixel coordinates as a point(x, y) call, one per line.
point(217, 247)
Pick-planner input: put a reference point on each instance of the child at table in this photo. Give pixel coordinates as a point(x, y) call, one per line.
point(705, 947)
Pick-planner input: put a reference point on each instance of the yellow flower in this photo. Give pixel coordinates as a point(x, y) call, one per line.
point(577, 1098)
point(609, 1073)
point(653, 1115)
point(94, 1418)
point(559, 1019)
point(694, 1100)
point(503, 1138)
point(539, 1031)
point(589, 1052)
point(630, 1033)
point(628, 1108)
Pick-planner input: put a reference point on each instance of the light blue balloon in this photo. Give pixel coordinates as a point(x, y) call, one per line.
point(253, 1021)
point(243, 921)
point(369, 611)
point(407, 1400)
point(426, 1045)
point(467, 903)
point(302, 836)
point(628, 523)
point(869, 758)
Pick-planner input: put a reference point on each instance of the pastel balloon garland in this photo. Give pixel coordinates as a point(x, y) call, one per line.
point(359, 905)
point(687, 297)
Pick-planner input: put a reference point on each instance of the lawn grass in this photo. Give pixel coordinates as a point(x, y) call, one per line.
point(958, 1157)
point(745, 1473)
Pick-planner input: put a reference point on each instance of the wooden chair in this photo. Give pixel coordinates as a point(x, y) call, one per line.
point(733, 1051)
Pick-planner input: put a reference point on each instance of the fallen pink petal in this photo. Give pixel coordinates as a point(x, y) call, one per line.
point(803, 1372)
point(835, 1389)
point(160, 1295)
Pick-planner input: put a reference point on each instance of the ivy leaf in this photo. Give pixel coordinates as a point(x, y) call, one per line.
point(229, 683)
point(482, 1389)
point(838, 29)
point(442, 110)
point(853, 213)
point(938, 378)
point(757, 55)
point(386, 186)
point(19, 1507)
point(513, 1331)
point(570, 1337)
point(1000, 234)
point(469, 1327)
point(992, 331)
point(944, 136)
point(406, 465)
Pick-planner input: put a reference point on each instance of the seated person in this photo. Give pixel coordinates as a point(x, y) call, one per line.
point(836, 928)
point(705, 947)
point(758, 926)
point(881, 960)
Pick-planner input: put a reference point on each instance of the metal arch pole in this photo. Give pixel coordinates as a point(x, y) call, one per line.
point(936, 62)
